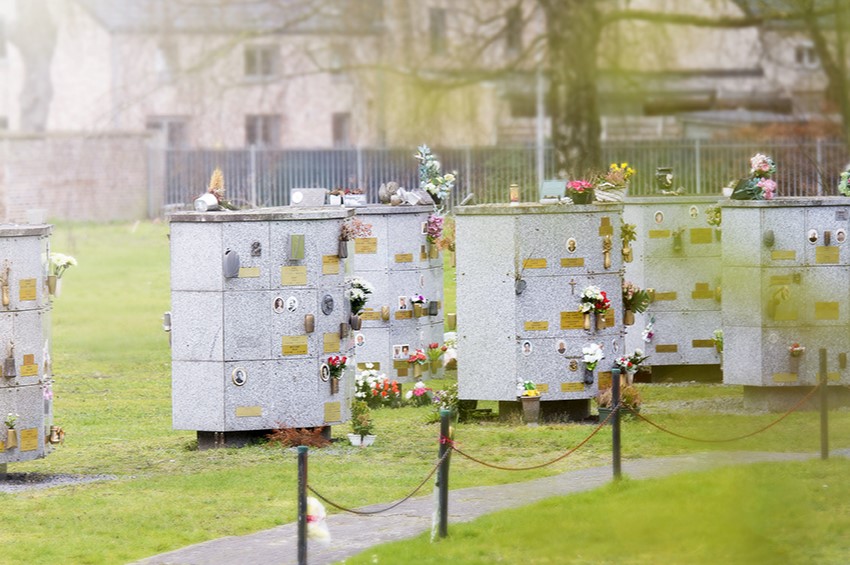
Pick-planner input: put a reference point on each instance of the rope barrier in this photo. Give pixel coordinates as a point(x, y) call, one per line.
point(391, 506)
point(702, 440)
point(532, 467)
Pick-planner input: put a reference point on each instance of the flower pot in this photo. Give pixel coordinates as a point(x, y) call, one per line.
point(628, 318)
point(604, 414)
point(601, 320)
point(530, 409)
point(385, 313)
point(585, 197)
point(433, 308)
point(586, 316)
point(588, 376)
point(6, 295)
point(11, 438)
point(334, 385)
point(610, 195)
point(630, 376)
point(355, 322)
point(417, 370)
point(664, 178)
point(628, 254)
point(794, 364)
point(342, 252)
point(417, 310)
point(433, 251)
point(206, 202)
point(334, 200)
point(51, 284)
point(436, 368)
point(361, 441)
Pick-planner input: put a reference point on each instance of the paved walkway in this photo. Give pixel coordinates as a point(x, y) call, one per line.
point(352, 534)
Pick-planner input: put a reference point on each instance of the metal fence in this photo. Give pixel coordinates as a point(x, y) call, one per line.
point(264, 177)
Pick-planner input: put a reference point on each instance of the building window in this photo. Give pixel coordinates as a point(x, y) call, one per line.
point(805, 56)
point(174, 129)
point(262, 130)
point(261, 61)
point(513, 29)
point(342, 129)
point(437, 23)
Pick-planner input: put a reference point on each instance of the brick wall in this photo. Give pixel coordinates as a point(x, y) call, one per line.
point(78, 177)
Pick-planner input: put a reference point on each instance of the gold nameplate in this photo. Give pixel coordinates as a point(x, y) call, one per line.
point(372, 315)
point(784, 377)
point(697, 343)
point(667, 348)
point(366, 245)
point(294, 345)
point(534, 264)
point(826, 255)
point(400, 364)
point(665, 296)
point(572, 320)
point(249, 411)
point(542, 387)
point(702, 292)
point(572, 387)
point(605, 227)
point(605, 379)
point(781, 280)
point(330, 264)
point(29, 370)
point(784, 314)
point(536, 326)
point(29, 439)
point(375, 365)
point(609, 318)
point(783, 255)
point(826, 310)
point(659, 234)
point(29, 359)
point(333, 412)
point(26, 289)
point(404, 258)
point(293, 276)
point(2, 446)
point(572, 262)
point(330, 342)
point(423, 253)
point(702, 235)
point(249, 272)
point(833, 376)
point(404, 314)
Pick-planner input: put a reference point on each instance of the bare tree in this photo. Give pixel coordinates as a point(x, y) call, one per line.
point(33, 32)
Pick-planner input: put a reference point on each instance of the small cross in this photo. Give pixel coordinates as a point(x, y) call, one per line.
point(573, 286)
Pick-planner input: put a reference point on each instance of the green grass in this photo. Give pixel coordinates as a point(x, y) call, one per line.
point(113, 396)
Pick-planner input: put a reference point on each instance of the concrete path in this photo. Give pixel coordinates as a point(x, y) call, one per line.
point(352, 534)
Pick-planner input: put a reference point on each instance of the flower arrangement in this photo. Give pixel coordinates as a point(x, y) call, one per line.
point(796, 350)
point(358, 293)
point(373, 387)
point(630, 363)
point(634, 298)
point(759, 185)
point(592, 355)
point(361, 418)
point(844, 181)
point(417, 299)
point(337, 365)
point(353, 228)
point(11, 420)
point(446, 399)
point(628, 232)
point(435, 352)
point(434, 228)
point(713, 216)
point(438, 185)
point(420, 395)
point(579, 186)
point(762, 166)
point(594, 300)
point(387, 393)
point(417, 357)
point(617, 176)
point(59, 263)
point(527, 388)
point(648, 332)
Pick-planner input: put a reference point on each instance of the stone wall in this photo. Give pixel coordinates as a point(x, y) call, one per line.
point(74, 176)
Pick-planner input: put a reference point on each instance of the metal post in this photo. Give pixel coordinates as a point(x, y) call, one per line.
point(253, 161)
point(819, 168)
point(824, 406)
point(615, 424)
point(540, 123)
point(443, 474)
point(302, 505)
point(698, 159)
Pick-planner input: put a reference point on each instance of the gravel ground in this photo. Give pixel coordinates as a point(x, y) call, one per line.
point(19, 482)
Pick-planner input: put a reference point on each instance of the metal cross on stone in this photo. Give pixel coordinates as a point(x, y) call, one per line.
point(572, 286)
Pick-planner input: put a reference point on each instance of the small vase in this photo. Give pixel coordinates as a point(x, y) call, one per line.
point(334, 385)
point(361, 441)
point(417, 370)
point(630, 376)
point(433, 251)
point(794, 365)
point(11, 438)
point(6, 295)
point(51, 284)
point(355, 322)
point(601, 321)
point(436, 368)
point(628, 254)
point(628, 318)
point(530, 409)
point(433, 308)
point(417, 310)
point(588, 375)
point(586, 316)
point(342, 253)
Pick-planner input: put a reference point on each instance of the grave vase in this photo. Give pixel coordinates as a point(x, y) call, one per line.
point(601, 321)
point(334, 385)
point(436, 368)
point(586, 316)
point(342, 253)
point(51, 284)
point(530, 409)
point(11, 438)
point(628, 318)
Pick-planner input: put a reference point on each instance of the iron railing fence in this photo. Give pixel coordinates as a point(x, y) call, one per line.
point(264, 177)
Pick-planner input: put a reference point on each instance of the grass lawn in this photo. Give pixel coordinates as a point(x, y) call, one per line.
point(113, 397)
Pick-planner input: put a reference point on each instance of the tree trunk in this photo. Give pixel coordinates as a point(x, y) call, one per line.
point(573, 30)
point(33, 32)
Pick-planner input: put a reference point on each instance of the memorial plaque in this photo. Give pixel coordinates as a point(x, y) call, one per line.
point(293, 276)
point(333, 412)
point(833, 377)
point(29, 370)
point(330, 264)
point(666, 348)
point(572, 262)
point(249, 272)
point(572, 320)
point(826, 310)
point(781, 280)
point(372, 315)
point(605, 379)
point(605, 227)
point(705, 343)
point(572, 387)
point(2, 446)
point(783, 255)
point(26, 290)
point(423, 253)
point(784, 314)
point(294, 345)
point(702, 235)
point(366, 245)
point(826, 255)
point(702, 292)
point(659, 234)
point(542, 387)
point(665, 296)
point(539, 326)
point(404, 258)
point(28, 439)
point(375, 365)
point(404, 314)
point(784, 377)
point(330, 342)
point(249, 411)
point(534, 264)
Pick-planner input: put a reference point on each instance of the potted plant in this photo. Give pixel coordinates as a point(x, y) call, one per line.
point(628, 234)
point(591, 355)
point(629, 364)
point(59, 263)
point(358, 292)
point(361, 425)
point(435, 353)
point(530, 398)
point(336, 367)
point(580, 191)
point(335, 197)
point(634, 300)
point(629, 397)
point(351, 228)
point(714, 217)
point(594, 300)
point(614, 183)
point(416, 360)
point(11, 433)
point(420, 395)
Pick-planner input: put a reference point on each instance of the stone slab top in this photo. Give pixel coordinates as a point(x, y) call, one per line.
point(282, 213)
point(378, 209)
point(532, 208)
point(789, 202)
point(22, 230)
point(684, 199)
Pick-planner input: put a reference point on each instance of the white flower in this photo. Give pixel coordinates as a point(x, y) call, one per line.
point(592, 353)
point(449, 177)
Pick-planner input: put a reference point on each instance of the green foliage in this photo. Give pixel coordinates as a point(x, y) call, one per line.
point(361, 418)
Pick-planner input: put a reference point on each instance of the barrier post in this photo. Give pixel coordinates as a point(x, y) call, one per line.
point(302, 505)
point(443, 474)
point(615, 424)
point(824, 405)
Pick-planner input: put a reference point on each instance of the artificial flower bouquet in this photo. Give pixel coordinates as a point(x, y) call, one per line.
point(420, 395)
point(592, 355)
point(758, 185)
point(431, 178)
point(358, 293)
point(527, 389)
point(337, 365)
point(634, 298)
point(593, 299)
